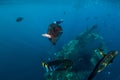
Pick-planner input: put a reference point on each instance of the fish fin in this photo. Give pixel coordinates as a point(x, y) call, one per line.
point(56, 68)
point(46, 35)
point(101, 52)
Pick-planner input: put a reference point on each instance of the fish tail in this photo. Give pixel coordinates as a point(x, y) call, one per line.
point(92, 75)
point(45, 65)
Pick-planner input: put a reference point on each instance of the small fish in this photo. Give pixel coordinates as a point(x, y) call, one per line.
point(19, 19)
point(103, 63)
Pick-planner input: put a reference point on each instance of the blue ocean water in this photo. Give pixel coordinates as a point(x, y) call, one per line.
point(22, 47)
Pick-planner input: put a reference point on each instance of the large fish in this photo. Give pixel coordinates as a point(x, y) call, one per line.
point(57, 65)
point(54, 32)
point(103, 63)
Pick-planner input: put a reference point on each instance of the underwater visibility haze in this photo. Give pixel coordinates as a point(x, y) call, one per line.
point(88, 28)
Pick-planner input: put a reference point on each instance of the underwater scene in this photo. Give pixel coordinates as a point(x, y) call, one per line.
point(59, 39)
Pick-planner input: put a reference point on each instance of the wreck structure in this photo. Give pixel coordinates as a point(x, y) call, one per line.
point(81, 51)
